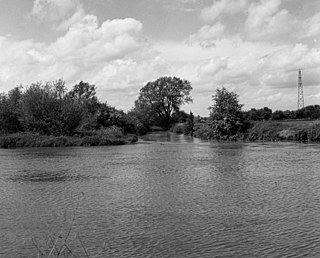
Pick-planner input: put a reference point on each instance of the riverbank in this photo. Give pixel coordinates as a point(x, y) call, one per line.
point(97, 138)
point(294, 130)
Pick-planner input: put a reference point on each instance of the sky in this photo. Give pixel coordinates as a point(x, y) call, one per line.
point(252, 47)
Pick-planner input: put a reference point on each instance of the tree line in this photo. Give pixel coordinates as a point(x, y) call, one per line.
point(51, 109)
point(310, 112)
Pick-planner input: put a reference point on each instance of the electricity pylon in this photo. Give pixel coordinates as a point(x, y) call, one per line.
point(300, 91)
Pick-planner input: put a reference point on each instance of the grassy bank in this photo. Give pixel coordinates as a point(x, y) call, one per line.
point(108, 136)
point(300, 131)
point(294, 130)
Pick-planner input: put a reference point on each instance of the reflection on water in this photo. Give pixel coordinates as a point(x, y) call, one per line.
point(168, 196)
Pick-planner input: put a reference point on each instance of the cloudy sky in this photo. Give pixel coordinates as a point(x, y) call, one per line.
point(252, 47)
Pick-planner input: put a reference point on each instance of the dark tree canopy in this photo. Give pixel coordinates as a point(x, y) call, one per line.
point(258, 114)
point(160, 98)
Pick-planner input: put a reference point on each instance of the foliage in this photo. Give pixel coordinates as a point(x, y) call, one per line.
point(40, 109)
point(258, 114)
point(282, 131)
point(108, 136)
point(136, 123)
point(204, 131)
point(309, 112)
point(179, 116)
point(160, 98)
point(265, 131)
point(50, 109)
point(10, 108)
point(186, 126)
point(178, 129)
point(189, 125)
point(226, 115)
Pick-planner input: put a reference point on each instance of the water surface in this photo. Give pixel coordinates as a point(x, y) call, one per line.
point(167, 196)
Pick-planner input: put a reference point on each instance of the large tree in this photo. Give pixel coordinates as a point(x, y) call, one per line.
point(160, 98)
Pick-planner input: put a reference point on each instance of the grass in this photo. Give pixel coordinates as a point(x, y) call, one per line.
point(301, 131)
point(291, 130)
point(108, 136)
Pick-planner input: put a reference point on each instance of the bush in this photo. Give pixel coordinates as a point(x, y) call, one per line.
point(265, 131)
point(178, 129)
point(108, 136)
point(204, 131)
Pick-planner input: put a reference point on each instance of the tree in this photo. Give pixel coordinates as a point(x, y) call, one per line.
point(225, 115)
point(85, 95)
point(10, 108)
point(40, 109)
point(189, 124)
point(179, 116)
point(259, 114)
point(160, 98)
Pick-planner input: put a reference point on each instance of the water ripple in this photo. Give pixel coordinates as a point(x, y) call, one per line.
point(172, 197)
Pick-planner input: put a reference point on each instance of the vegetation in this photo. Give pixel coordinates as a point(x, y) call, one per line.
point(49, 115)
point(159, 99)
point(311, 112)
point(282, 131)
point(226, 120)
point(64, 240)
point(183, 123)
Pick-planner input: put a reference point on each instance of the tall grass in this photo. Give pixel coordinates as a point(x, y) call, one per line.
point(275, 131)
point(268, 131)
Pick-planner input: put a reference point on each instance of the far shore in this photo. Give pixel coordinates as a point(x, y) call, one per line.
point(306, 131)
point(22, 140)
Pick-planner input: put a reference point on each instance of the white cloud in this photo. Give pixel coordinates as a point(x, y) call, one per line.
point(83, 52)
point(260, 61)
point(85, 40)
point(311, 26)
point(53, 10)
point(211, 13)
point(266, 21)
point(262, 73)
point(115, 55)
point(207, 34)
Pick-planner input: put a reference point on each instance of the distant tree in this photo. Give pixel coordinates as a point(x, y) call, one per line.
point(179, 116)
point(109, 116)
point(160, 98)
point(308, 112)
point(290, 114)
point(258, 114)
point(226, 114)
point(278, 115)
point(189, 124)
point(138, 123)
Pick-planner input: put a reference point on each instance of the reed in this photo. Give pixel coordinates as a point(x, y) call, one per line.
point(66, 242)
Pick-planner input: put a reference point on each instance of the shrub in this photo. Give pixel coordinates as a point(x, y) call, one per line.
point(90, 141)
point(204, 131)
point(178, 129)
point(265, 131)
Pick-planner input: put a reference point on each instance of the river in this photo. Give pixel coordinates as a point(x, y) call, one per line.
point(166, 196)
